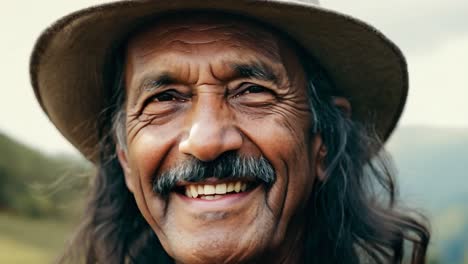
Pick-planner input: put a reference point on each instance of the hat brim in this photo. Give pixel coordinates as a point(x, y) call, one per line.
point(69, 59)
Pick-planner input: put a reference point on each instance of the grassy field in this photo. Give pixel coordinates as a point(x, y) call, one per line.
point(28, 241)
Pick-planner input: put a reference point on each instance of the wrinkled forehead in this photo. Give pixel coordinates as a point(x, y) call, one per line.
point(188, 31)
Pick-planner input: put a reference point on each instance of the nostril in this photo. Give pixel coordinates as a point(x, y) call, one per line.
point(203, 151)
point(207, 147)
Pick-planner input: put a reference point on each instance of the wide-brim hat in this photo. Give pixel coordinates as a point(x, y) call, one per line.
point(70, 60)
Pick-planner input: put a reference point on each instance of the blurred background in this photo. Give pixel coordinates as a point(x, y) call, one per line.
point(43, 179)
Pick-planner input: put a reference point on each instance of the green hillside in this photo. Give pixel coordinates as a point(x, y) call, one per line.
point(35, 184)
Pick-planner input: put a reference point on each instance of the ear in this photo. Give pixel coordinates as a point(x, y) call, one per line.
point(122, 156)
point(319, 154)
point(343, 104)
point(320, 151)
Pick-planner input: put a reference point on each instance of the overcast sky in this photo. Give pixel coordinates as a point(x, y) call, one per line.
point(432, 34)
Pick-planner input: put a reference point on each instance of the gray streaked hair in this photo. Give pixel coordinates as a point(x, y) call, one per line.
point(353, 215)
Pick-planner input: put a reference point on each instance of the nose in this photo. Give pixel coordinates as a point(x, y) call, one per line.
point(211, 130)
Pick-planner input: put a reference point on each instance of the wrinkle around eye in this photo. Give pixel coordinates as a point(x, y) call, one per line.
point(133, 126)
point(160, 110)
point(255, 100)
point(292, 106)
point(137, 121)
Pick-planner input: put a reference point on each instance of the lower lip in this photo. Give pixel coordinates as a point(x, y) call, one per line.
point(228, 200)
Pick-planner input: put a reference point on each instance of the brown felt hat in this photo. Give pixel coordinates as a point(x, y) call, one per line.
point(71, 58)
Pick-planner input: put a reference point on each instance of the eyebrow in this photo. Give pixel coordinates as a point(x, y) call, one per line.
point(154, 81)
point(260, 71)
point(255, 70)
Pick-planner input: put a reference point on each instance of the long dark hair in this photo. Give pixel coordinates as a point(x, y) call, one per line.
point(353, 214)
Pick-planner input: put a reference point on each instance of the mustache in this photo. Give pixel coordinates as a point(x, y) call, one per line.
point(229, 165)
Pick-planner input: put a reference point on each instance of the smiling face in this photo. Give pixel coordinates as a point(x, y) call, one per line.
point(199, 90)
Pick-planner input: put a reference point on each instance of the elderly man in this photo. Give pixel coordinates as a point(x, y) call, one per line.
point(229, 132)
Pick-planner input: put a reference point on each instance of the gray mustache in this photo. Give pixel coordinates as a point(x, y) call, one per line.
point(227, 166)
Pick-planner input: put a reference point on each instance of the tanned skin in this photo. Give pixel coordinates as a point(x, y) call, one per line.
point(187, 98)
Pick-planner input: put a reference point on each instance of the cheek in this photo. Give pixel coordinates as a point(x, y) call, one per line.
point(284, 140)
point(148, 150)
point(150, 144)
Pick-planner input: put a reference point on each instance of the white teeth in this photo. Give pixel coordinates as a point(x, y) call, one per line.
point(208, 197)
point(221, 188)
point(237, 187)
point(209, 189)
point(230, 187)
point(243, 187)
point(194, 191)
point(200, 189)
point(211, 197)
point(188, 193)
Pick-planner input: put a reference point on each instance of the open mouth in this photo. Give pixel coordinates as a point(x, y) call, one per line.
point(206, 191)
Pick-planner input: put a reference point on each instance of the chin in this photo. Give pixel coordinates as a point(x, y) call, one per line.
point(219, 246)
point(236, 228)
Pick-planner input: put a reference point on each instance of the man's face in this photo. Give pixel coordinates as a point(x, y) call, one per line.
point(202, 88)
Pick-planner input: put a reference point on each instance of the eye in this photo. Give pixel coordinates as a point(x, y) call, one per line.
point(254, 95)
point(254, 89)
point(163, 97)
point(166, 96)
